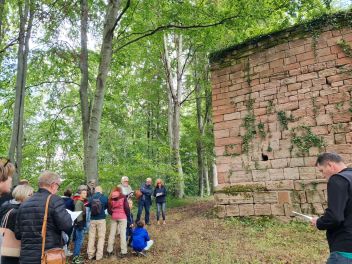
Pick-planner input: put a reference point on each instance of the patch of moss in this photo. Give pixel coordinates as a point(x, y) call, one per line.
point(236, 189)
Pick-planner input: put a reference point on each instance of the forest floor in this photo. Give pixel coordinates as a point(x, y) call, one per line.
point(194, 235)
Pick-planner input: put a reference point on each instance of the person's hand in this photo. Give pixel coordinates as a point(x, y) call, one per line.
point(131, 225)
point(313, 222)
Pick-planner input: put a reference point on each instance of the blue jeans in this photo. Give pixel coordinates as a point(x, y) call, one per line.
point(88, 214)
point(78, 241)
point(146, 205)
point(336, 258)
point(160, 207)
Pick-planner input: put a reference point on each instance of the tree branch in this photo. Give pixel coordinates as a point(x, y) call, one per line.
point(121, 14)
point(171, 26)
point(188, 95)
point(51, 82)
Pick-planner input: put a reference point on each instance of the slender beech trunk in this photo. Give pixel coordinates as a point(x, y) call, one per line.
point(2, 11)
point(175, 87)
point(26, 14)
point(97, 109)
point(84, 85)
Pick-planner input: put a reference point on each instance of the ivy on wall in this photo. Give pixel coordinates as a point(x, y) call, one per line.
point(303, 139)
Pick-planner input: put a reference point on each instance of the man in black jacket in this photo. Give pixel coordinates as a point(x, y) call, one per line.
point(337, 218)
point(30, 220)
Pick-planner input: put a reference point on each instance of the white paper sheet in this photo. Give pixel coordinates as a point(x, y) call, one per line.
point(307, 217)
point(74, 215)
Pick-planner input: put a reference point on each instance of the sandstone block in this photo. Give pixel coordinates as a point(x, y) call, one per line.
point(284, 197)
point(220, 211)
point(232, 210)
point(246, 209)
point(318, 208)
point(280, 185)
point(260, 175)
point(306, 173)
point(265, 197)
point(276, 174)
point(296, 162)
point(279, 163)
point(323, 119)
point(262, 209)
point(291, 173)
point(277, 209)
point(315, 196)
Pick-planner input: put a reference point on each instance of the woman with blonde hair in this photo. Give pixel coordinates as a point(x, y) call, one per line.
point(160, 199)
point(7, 169)
point(10, 248)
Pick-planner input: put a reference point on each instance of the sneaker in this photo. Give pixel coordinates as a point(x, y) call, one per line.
point(68, 253)
point(77, 260)
point(110, 254)
point(158, 223)
point(122, 255)
point(164, 222)
point(142, 254)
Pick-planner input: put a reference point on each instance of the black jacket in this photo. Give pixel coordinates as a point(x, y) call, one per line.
point(7, 206)
point(337, 219)
point(29, 225)
point(147, 191)
point(161, 198)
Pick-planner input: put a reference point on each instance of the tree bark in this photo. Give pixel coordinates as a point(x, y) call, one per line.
point(175, 86)
point(84, 84)
point(2, 8)
point(15, 150)
point(97, 109)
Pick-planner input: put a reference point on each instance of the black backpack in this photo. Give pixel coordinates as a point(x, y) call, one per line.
point(96, 206)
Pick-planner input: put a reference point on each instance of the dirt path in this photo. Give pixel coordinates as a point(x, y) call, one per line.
point(193, 235)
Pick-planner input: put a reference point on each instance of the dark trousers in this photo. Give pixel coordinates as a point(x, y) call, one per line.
point(146, 205)
point(10, 260)
point(336, 258)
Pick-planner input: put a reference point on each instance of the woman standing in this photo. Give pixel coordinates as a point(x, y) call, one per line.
point(160, 198)
point(7, 169)
point(10, 249)
point(119, 210)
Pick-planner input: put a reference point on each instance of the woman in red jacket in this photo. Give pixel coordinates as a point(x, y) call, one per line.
point(119, 211)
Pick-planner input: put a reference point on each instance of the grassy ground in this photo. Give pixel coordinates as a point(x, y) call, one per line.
point(194, 235)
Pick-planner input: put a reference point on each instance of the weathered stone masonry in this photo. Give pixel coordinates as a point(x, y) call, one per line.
point(278, 101)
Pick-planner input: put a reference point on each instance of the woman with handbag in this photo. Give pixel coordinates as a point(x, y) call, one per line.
point(10, 248)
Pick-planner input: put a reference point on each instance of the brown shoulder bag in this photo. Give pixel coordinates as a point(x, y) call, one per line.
point(54, 255)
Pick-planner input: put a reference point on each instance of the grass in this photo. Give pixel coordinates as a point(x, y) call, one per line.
point(194, 235)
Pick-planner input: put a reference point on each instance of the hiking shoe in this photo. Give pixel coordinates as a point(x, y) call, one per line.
point(109, 255)
point(77, 260)
point(142, 254)
point(122, 255)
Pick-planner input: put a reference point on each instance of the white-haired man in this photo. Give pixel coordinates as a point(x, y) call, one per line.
point(145, 200)
point(30, 218)
point(125, 186)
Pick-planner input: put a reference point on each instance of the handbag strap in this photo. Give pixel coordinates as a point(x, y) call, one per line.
point(45, 224)
point(6, 218)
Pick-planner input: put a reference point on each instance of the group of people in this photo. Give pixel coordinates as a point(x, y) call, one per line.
point(22, 213)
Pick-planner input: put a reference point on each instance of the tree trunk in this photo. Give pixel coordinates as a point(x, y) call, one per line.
point(26, 18)
point(83, 91)
point(2, 8)
point(175, 86)
point(104, 66)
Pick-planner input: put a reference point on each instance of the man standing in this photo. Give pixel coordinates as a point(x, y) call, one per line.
point(98, 203)
point(145, 201)
point(30, 218)
point(337, 218)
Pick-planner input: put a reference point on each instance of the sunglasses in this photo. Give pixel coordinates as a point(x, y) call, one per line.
point(6, 162)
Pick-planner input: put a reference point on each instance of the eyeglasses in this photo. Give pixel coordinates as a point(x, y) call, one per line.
point(58, 185)
point(6, 162)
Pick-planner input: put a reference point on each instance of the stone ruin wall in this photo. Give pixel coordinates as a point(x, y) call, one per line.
point(271, 97)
